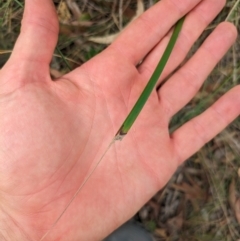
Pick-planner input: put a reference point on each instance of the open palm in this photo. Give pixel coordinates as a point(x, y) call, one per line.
point(54, 133)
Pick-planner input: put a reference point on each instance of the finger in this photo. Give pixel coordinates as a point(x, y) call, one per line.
point(145, 32)
point(39, 33)
point(196, 21)
point(186, 82)
point(189, 138)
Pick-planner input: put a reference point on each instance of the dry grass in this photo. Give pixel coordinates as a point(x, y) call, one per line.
point(202, 200)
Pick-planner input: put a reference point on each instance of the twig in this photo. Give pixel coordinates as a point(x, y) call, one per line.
point(120, 14)
point(232, 10)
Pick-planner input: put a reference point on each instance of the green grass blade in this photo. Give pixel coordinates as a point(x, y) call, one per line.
point(19, 3)
point(63, 58)
point(127, 124)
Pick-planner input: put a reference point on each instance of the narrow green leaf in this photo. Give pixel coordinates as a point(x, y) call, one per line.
point(127, 124)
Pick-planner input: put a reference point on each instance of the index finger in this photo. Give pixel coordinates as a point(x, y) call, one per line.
point(144, 33)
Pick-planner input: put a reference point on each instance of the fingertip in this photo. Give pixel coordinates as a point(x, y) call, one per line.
point(236, 96)
point(228, 30)
point(220, 40)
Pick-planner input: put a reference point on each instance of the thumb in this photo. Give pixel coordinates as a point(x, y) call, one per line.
point(39, 33)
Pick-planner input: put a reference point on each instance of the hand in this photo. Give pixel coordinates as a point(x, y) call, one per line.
point(53, 133)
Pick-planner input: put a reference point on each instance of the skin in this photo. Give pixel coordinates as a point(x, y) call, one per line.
point(53, 133)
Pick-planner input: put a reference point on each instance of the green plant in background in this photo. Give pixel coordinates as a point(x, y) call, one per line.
point(151, 226)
